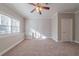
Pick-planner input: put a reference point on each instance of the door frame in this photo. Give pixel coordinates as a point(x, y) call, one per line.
point(61, 29)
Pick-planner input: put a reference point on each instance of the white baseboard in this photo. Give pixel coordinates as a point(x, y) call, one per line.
point(76, 41)
point(53, 39)
point(6, 50)
point(28, 37)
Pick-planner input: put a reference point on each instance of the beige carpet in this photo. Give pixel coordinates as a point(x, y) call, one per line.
point(44, 48)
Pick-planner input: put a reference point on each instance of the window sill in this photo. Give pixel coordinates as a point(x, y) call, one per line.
point(9, 34)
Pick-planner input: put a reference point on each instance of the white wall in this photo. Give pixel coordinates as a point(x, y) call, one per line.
point(77, 27)
point(8, 40)
point(55, 26)
point(41, 25)
point(48, 26)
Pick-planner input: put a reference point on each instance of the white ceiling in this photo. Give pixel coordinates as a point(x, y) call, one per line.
point(24, 9)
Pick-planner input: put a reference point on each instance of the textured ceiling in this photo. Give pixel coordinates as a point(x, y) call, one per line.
point(24, 9)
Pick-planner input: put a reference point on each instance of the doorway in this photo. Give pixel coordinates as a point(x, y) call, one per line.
point(67, 29)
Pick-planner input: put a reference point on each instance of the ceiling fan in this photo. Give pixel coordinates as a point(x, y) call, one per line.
point(39, 7)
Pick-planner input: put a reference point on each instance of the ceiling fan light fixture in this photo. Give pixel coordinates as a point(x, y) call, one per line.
point(41, 9)
point(37, 9)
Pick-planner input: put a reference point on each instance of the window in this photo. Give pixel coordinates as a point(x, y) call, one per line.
point(15, 25)
point(8, 25)
point(5, 24)
point(36, 34)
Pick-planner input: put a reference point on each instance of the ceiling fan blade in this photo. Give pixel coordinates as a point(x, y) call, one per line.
point(46, 3)
point(40, 12)
point(46, 8)
point(38, 4)
point(32, 4)
point(33, 10)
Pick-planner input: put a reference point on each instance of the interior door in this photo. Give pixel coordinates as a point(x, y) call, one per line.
point(66, 29)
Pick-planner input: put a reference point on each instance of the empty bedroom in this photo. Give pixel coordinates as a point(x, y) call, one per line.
point(39, 29)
